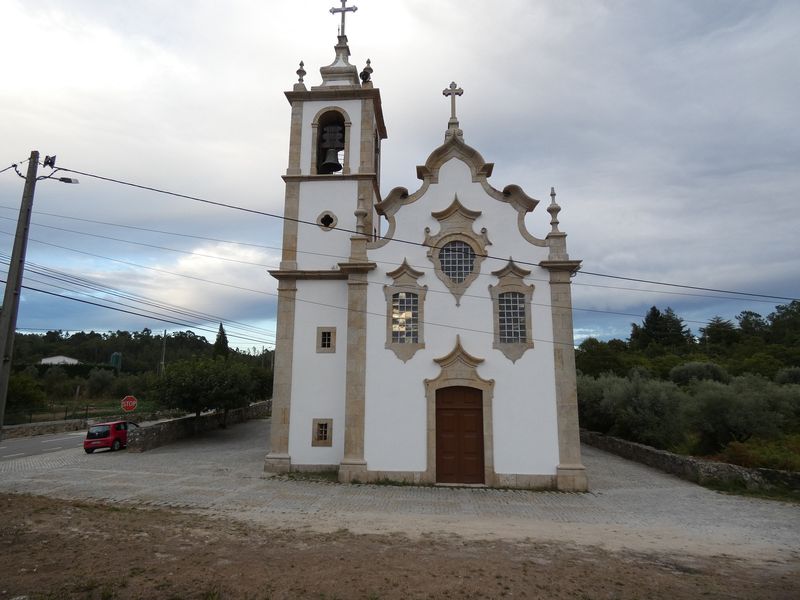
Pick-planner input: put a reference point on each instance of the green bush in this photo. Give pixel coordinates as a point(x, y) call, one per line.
point(593, 412)
point(648, 411)
point(641, 410)
point(99, 382)
point(788, 375)
point(781, 453)
point(24, 393)
point(722, 414)
point(698, 371)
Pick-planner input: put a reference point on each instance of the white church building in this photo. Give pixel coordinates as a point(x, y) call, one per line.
point(424, 336)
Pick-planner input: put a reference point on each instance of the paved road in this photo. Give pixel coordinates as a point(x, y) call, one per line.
point(40, 444)
point(631, 506)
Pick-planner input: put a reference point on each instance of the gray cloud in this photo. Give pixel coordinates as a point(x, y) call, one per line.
point(668, 129)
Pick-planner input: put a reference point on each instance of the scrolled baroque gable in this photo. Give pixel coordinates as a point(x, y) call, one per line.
point(456, 251)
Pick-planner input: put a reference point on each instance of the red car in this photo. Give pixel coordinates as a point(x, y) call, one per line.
point(112, 435)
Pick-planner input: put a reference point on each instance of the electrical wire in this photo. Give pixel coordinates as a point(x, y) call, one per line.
point(396, 240)
point(234, 326)
point(130, 312)
point(420, 267)
point(380, 283)
point(576, 308)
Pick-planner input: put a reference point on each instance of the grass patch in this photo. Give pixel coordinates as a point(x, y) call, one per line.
point(319, 476)
point(781, 453)
point(774, 493)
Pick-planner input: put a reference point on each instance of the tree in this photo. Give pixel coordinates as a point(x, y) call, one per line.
point(751, 323)
point(697, 371)
point(734, 413)
point(664, 330)
point(594, 357)
point(205, 384)
point(718, 332)
point(221, 344)
point(99, 382)
point(784, 324)
point(24, 393)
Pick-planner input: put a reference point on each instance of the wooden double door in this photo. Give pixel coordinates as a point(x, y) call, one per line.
point(459, 435)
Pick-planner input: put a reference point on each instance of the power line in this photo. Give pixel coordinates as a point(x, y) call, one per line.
point(688, 287)
point(352, 231)
point(576, 308)
point(337, 256)
point(130, 312)
point(397, 240)
point(234, 326)
point(422, 267)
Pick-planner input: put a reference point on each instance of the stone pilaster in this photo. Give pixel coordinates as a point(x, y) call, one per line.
point(291, 212)
point(278, 460)
point(295, 139)
point(353, 466)
point(570, 473)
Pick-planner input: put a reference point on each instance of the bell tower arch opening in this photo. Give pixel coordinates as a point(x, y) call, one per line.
point(331, 141)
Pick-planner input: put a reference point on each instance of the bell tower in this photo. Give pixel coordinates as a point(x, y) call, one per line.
point(334, 157)
point(332, 186)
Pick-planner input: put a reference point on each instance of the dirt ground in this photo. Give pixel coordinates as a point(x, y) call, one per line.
point(67, 549)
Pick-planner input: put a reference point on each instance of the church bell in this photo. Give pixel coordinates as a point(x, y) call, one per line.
point(332, 141)
point(331, 163)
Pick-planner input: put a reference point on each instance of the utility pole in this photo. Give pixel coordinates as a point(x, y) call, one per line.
point(8, 318)
point(163, 366)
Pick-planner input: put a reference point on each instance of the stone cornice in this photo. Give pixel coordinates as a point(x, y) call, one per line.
point(308, 274)
point(332, 176)
point(357, 267)
point(571, 266)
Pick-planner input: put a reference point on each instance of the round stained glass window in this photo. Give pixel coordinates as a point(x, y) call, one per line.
point(457, 260)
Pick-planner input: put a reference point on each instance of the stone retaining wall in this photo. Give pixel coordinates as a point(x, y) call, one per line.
point(31, 429)
point(698, 470)
point(166, 432)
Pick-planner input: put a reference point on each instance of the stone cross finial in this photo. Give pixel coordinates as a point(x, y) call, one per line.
point(344, 10)
point(453, 91)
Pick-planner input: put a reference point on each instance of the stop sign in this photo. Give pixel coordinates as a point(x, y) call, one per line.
point(129, 403)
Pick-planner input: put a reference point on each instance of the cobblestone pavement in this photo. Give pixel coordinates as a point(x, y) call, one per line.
point(221, 473)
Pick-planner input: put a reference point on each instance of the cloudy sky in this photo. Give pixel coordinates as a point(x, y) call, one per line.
point(668, 127)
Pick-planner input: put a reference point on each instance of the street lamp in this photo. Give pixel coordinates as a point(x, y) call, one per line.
point(8, 317)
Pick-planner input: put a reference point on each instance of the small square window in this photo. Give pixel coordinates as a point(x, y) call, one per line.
point(322, 432)
point(326, 340)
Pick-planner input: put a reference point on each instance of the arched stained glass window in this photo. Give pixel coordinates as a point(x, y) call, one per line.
point(405, 318)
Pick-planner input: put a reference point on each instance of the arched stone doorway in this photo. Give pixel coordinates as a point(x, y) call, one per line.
point(459, 435)
point(459, 388)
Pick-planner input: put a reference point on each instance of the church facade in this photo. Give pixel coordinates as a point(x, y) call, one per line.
point(423, 336)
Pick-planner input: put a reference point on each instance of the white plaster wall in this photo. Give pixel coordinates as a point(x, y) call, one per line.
point(318, 390)
point(310, 110)
point(317, 248)
point(524, 417)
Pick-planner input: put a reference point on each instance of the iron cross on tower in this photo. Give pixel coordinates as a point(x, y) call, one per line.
point(453, 91)
point(344, 10)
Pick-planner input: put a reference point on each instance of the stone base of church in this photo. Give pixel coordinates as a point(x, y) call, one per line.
point(353, 471)
point(277, 463)
point(571, 478)
point(568, 478)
